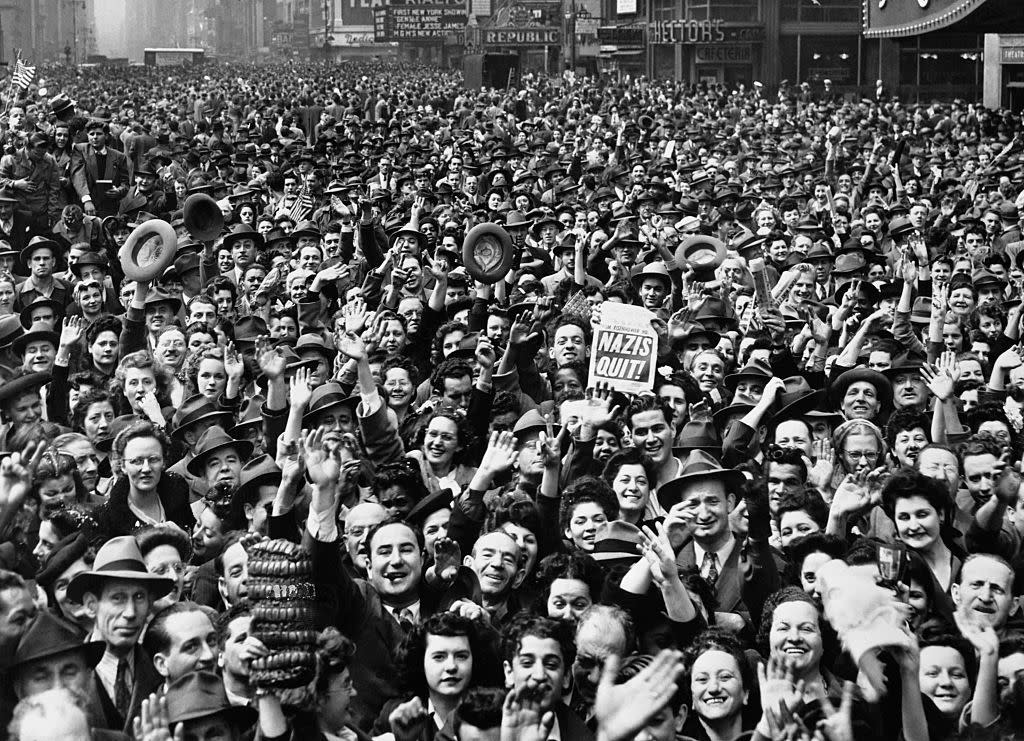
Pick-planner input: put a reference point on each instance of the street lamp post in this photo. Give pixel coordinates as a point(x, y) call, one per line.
point(570, 31)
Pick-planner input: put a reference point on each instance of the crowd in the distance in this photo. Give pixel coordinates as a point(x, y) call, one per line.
point(809, 528)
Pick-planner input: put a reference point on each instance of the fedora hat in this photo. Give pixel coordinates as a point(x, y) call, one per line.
point(195, 409)
point(149, 249)
point(488, 252)
point(837, 389)
point(921, 313)
point(159, 296)
point(433, 502)
point(200, 695)
point(37, 243)
point(655, 270)
point(531, 421)
point(186, 262)
point(118, 558)
point(243, 231)
point(10, 329)
point(215, 438)
point(40, 303)
point(904, 363)
point(306, 229)
point(104, 444)
point(698, 435)
point(89, 258)
point(616, 545)
point(41, 335)
point(757, 370)
point(259, 471)
point(7, 195)
point(60, 104)
point(849, 264)
point(48, 635)
point(704, 254)
point(517, 220)
point(250, 329)
point(326, 396)
point(251, 416)
point(21, 383)
point(314, 343)
point(797, 399)
point(698, 466)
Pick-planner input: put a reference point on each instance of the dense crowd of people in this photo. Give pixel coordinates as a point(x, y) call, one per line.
point(808, 528)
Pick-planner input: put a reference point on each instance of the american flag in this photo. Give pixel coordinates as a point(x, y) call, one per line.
point(23, 74)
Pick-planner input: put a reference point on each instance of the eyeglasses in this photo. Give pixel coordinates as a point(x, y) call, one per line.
point(153, 460)
point(858, 454)
point(178, 568)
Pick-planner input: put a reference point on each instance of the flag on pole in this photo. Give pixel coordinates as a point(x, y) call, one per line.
point(23, 74)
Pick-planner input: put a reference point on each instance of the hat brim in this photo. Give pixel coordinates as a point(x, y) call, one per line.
point(195, 466)
point(92, 650)
point(185, 425)
point(350, 401)
point(242, 716)
point(837, 390)
point(21, 384)
point(92, 581)
point(670, 493)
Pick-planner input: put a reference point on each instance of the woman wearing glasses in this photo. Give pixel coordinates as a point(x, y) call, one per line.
point(146, 493)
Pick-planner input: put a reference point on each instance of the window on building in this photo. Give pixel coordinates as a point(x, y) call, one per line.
point(735, 11)
point(829, 11)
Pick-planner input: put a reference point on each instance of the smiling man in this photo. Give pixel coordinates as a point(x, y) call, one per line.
point(984, 589)
point(219, 458)
point(181, 639)
point(652, 426)
point(496, 563)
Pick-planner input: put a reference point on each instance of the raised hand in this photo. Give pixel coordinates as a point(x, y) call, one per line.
point(657, 550)
point(322, 467)
point(16, 475)
point(837, 725)
point(522, 718)
point(778, 685)
point(270, 360)
point(447, 559)
point(819, 474)
point(598, 410)
point(500, 455)
point(851, 496)
point(149, 406)
point(679, 525)
point(938, 380)
point(623, 709)
point(300, 390)
point(355, 313)
point(234, 366)
point(71, 330)
point(408, 720)
point(351, 345)
point(485, 354)
point(980, 634)
point(151, 724)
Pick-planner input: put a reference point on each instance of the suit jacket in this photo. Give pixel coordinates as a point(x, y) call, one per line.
point(85, 173)
point(571, 725)
point(146, 682)
point(729, 587)
point(135, 201)
point(21, 231)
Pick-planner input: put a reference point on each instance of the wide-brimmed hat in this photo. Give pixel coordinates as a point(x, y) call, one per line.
point(531, 421)
point(837, 389)
point(797, 399)
point(251, 416)
point(655, 270)
point(242, 231)
point(37, 243)
point(849, 264)
point(40, 335)
point(249, 329)
point(60, 103)
point(327, 396)
point(756, 369)
point(213, 439)
point(40, 303)
point(315, 343)
point(48, 635)
point(159, 296)
point(21, 383)
point(698, 435)
point(430, 504)
point(87, 259)
point(195, 409)
point(200, 695)
point(118, 558)
point(698, 466)
point(904, 363)
point(259, 471)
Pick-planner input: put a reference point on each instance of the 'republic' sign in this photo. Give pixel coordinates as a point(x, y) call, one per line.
point(522, 36)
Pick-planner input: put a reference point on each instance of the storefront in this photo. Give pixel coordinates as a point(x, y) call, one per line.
point(944, 49)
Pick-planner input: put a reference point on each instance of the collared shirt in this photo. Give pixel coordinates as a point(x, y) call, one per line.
point(106, 671)
point(414, 611)
point(721, 555)
point(556, 731)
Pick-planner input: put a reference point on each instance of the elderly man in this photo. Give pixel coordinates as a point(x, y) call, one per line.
point(118, 593)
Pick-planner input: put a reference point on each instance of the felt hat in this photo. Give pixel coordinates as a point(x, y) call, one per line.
point(327, 396)
point(837, 389)
point(201, 694)
point(698, 466)
point(214, 439)
point(48, 635)
point(195, 409)
point(118, 558)
point(21, 383)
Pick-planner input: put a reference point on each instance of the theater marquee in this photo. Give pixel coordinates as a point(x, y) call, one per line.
point(893, 18)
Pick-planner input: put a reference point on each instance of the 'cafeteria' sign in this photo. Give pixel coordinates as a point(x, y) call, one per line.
point(625, 349)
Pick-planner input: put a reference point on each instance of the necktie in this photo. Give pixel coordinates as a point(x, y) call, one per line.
point(406, 619)
point(122, 693)
point(710, 565)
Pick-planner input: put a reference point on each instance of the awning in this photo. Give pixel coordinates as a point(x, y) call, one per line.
point(894, 18)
